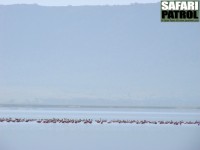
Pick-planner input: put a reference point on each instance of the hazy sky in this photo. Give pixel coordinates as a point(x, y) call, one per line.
point(97, 53)
point(75, 2)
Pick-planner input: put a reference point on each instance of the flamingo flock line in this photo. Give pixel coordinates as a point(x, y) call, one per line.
point(97, 121)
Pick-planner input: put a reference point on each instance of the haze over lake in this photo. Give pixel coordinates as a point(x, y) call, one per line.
point(102, 55)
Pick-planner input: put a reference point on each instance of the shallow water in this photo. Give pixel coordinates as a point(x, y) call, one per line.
point(32, 136)
point(92, 112)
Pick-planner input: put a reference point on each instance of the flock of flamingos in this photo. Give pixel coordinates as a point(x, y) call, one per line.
point(98, 121)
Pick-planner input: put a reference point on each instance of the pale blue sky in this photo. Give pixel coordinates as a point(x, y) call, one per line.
point(97, 53)
point(75, 2)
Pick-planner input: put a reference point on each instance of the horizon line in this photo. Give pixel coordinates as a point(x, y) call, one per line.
point(71, 5)
point(98, 106)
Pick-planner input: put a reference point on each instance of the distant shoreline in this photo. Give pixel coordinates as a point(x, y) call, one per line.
point(96, 106)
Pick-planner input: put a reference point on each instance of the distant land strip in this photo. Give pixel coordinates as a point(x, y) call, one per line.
point(96, 106)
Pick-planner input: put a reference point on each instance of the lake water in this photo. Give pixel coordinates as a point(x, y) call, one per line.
point(32, 135)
